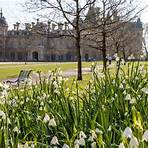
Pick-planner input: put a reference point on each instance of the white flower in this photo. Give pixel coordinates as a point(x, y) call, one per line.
point(98, 131)
point(91, 138)
point(65, 146)
point(93, 145)
point(52, 122)
point(46, 118)
point(82, 134)
point(2, 114)
point(56, 92)
point(122, 61)
point(55, 84)
point(76, 146)
point(124, 92)
point(32, 145)
point(26, 145)
point(76, 141)
point(127, 132)
point(145, 90)
point(145, 136)
point(121, 145)
point(42, 103)
point(117, 59)
point(128, 97)
point(121, 86)
point(54, 141)
point(16, 130)
point(133, 143)
point(81, 141)
point(133, 101)
point(109, 128)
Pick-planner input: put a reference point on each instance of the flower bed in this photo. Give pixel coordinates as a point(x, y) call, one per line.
point(109, 112)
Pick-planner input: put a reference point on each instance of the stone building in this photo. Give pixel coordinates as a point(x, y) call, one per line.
point(41, 42)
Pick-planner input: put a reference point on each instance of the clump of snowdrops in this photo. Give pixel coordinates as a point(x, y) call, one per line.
point(110, 112)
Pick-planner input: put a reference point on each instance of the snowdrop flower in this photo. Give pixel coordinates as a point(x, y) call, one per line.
point(133, 101)
point(41, 108)
point(123, 62)
point(117, 59)
point(145, 136)
point(145, 90)
point(2, 114)
point(93, 145)
point(54, 141)
point(52, 122)
point(91, 138)
point(121, 145)
point(98, 131)
point(4, 93)
point(127, 132)
point(42, 103)
point(65, 146)
point(32, 145)
point(55, 84)
point(81, 141)
point(133, 143)
point(109, 128)
point(76, 146)
point(82, 135)
point(26, 145)
point(124, 92)
point(8, 120)
point(93, 134)
point(76, 142)
point(121, 86)
point(6, 86)
point(16, 130)
point(27, 99)
point(128, 97)
point(56, 92)
point(46, 118)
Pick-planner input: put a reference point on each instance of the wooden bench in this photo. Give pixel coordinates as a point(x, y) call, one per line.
point(22, 77)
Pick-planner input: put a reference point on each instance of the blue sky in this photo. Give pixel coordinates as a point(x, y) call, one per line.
point(14, 12)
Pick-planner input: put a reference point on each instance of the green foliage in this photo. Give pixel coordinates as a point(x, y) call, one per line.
point(95, 116)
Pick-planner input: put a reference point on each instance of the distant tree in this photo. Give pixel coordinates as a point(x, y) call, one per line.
point(112, 17)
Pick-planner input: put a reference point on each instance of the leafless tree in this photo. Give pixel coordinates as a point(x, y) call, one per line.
point(72, 11)
point(113, 15)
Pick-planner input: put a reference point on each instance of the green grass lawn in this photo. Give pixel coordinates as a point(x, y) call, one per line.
point(12, 70)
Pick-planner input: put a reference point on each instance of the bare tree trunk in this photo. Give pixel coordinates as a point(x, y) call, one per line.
point(79, 64)
point(78, 40)
point(104, 50)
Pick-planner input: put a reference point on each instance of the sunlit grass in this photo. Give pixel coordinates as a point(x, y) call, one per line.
point(12, 70)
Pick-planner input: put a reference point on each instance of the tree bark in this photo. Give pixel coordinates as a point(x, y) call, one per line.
point(104, 51)
point(79, 64)
point(78, 40)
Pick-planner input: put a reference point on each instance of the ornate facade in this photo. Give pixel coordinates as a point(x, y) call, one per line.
point(38, 42)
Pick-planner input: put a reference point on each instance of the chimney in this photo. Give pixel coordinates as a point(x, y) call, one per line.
point(37, 21)
point(27, 26)
point(33, 23)
point(48, 27)
point(53, 26)
point(17, 26)
point(14, 26)
point(60, 26)
point(66, 25)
